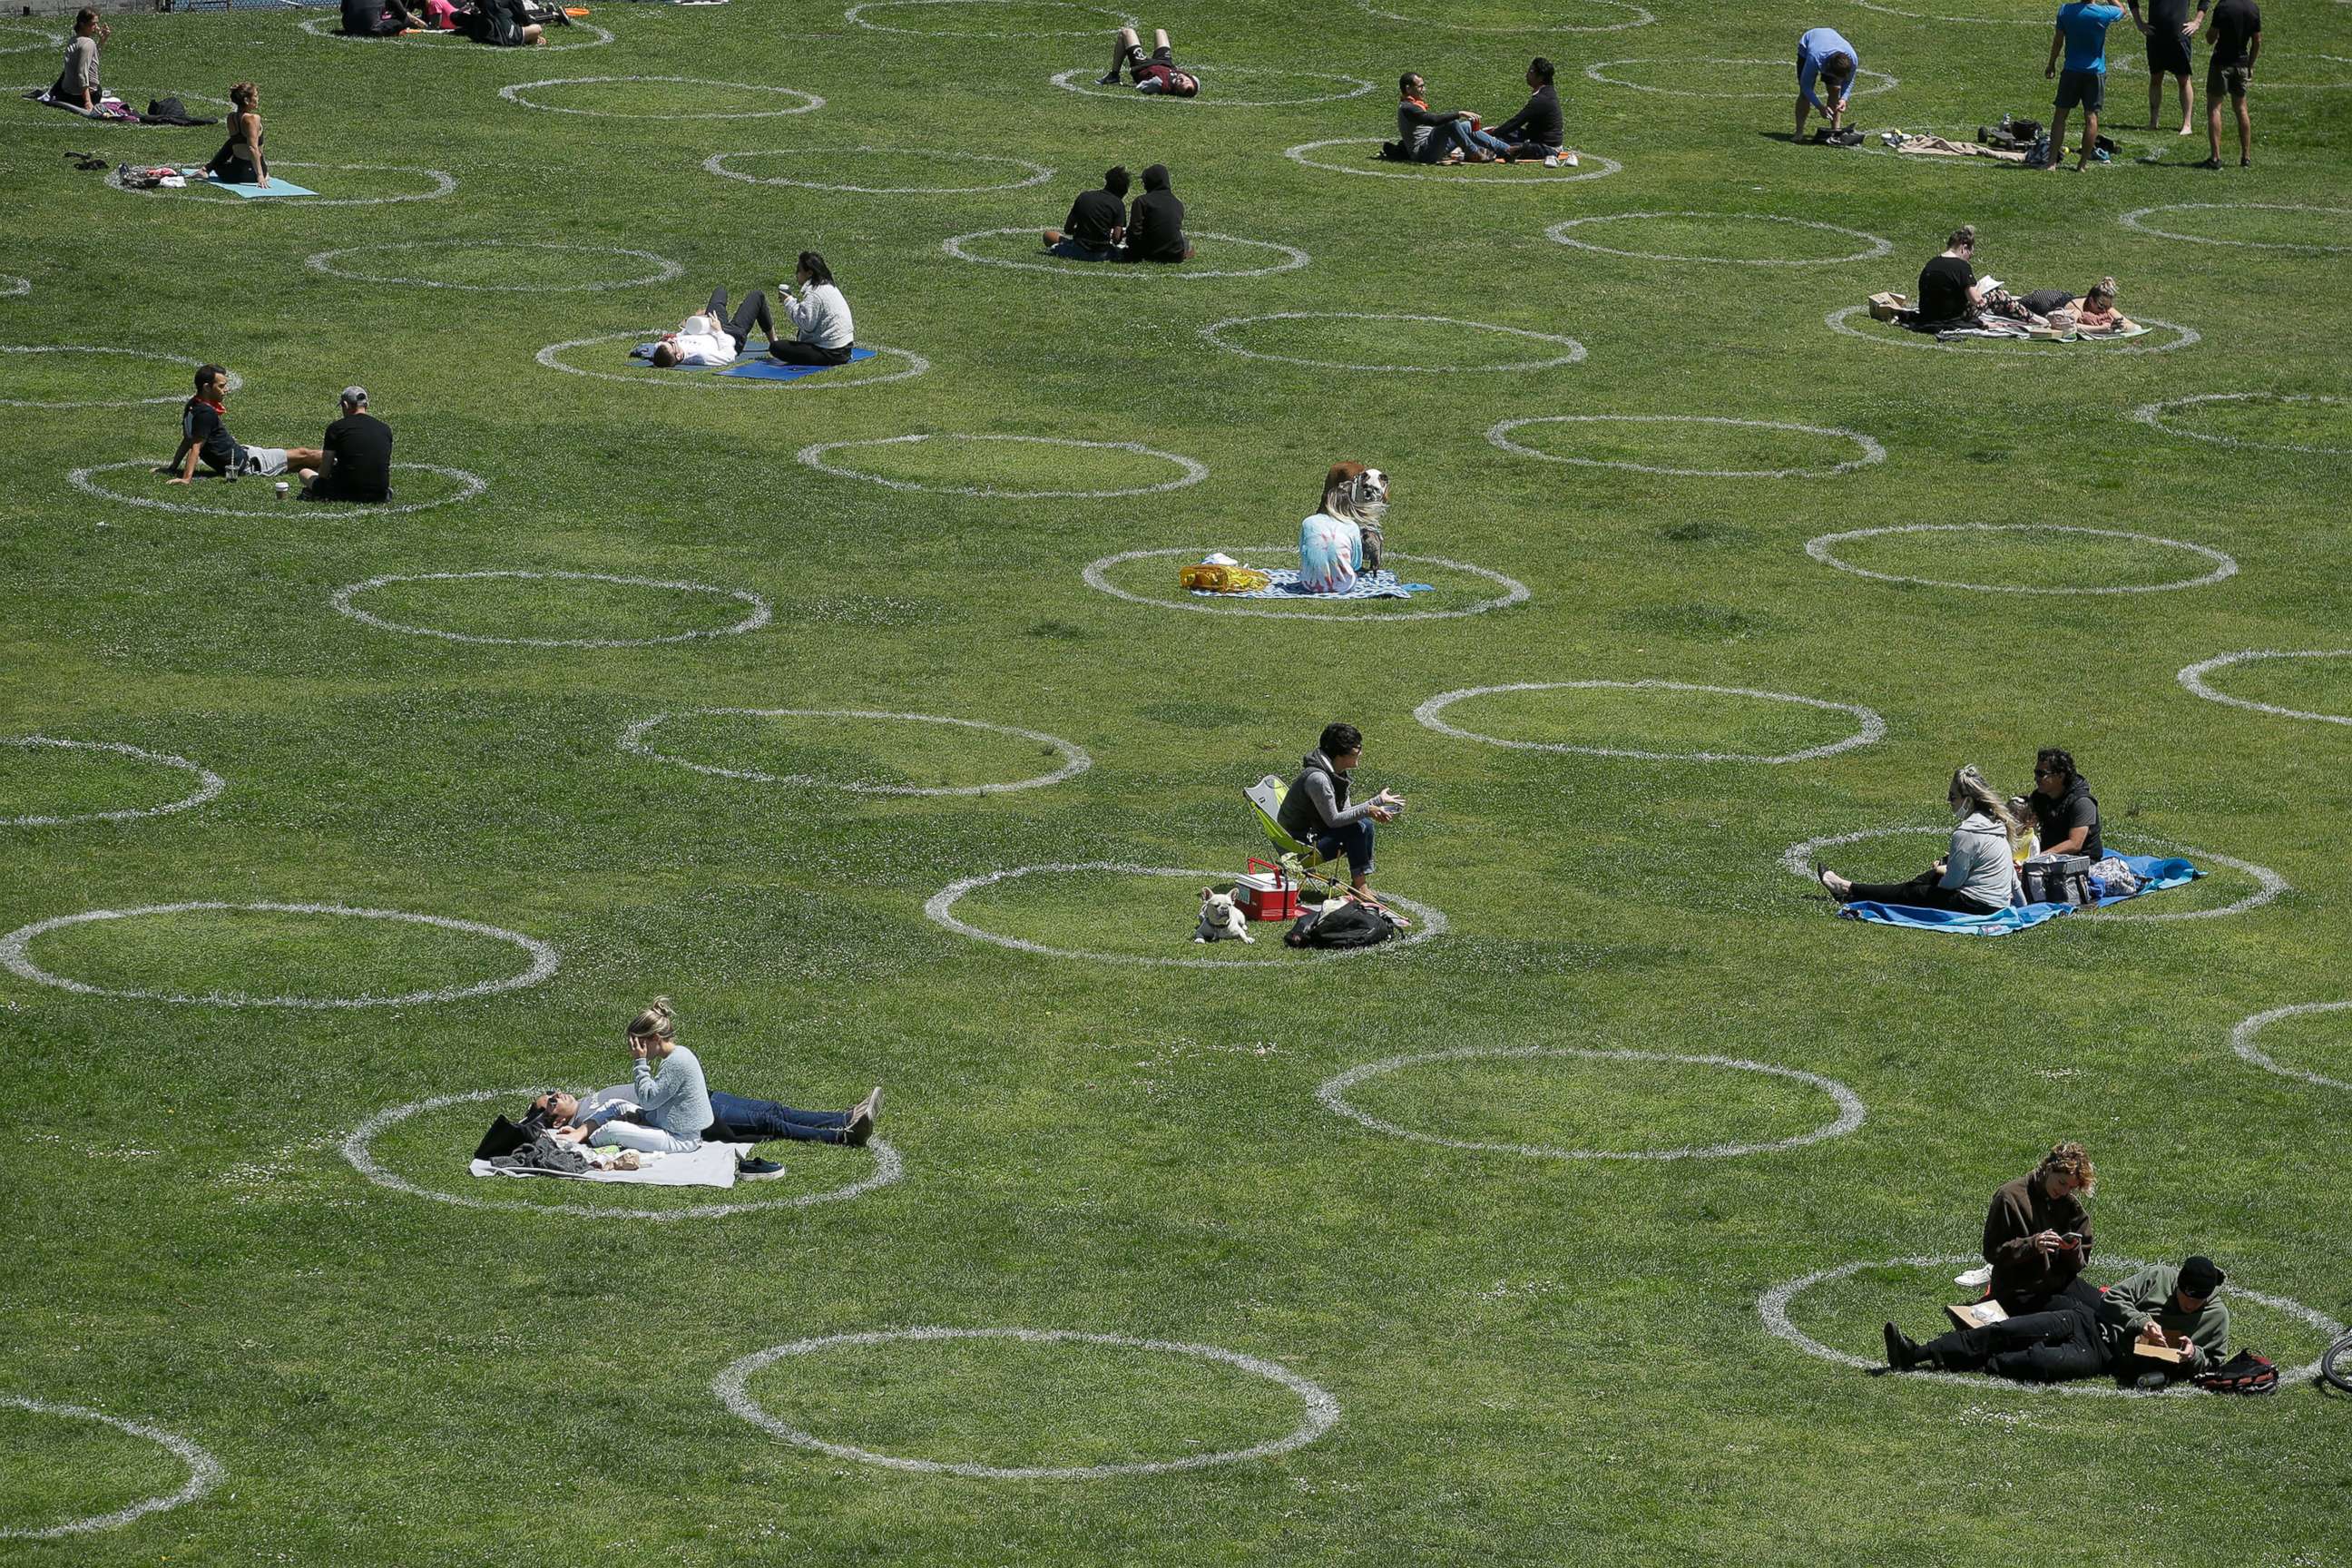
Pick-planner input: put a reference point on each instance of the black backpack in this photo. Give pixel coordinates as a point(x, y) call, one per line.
point(1347, 924)
point(2245, 1372)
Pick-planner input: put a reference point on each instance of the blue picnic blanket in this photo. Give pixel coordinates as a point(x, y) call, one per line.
point(2156, 874)
point(1286, 586)
point(760, 367)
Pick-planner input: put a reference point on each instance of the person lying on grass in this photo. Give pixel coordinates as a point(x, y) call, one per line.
point(1097, 222)
point(712, 337)
point(1978, 876)
point(1156, 75)
point(204, 436)
point(1316, 810)
point(739, 1119)
point(1342, 538)
point(2160, 1324)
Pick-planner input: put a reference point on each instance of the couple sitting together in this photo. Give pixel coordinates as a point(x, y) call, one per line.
point(1978, 873)
point(2161, 1323)
point(1101, 227)
point(1951, 298)
point(675, 1111)
point(1537, 132)
point(825, 333)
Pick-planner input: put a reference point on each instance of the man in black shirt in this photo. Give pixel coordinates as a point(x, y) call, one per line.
point(203, 435)
point(2237, 42)
point(2065, 814)
point(1155, 224)
point(2167, 27)
point(1539, 129)
point(355, 458)
point(1097, 220)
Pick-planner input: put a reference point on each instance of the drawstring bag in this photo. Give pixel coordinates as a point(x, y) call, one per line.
point(1350, 923)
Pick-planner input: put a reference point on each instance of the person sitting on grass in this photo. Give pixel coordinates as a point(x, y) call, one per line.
point(77, 85)
point(710, 337)
point(739, 1119)
point(507, 25)
point(2136, 1328)
point(1155, 224)
point(1823, 56)
point(378, 19)
point(673, 1107)
point(1342, 538)
point(2065, 813)
point(1427, 136)
point(1097, 223)
point(1316, 810)
point(204, 436)
point(354, 458)
point(1156, 75)
point(1978, 875)
point(2061, 1341)
point(824, 332)
point(2037, 1230)
point(240, 160)
point(1539, 129)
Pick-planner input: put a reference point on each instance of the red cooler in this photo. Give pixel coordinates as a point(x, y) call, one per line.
point(1264, 893)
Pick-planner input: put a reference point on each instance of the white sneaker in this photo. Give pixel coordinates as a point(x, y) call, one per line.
point(1974, 1277)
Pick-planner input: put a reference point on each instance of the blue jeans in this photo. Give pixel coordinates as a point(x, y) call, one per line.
point(1473, 140)
point(1352, 840)
point(1077, 250)
point(741, 1120)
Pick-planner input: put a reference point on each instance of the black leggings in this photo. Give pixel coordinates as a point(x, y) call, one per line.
point(797, 353)
point(752, 313)
point(1919, 892)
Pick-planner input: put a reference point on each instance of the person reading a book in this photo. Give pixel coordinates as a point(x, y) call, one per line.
point(2160, 1323)
point(2166, 1322)
point(2037, 1234)
point(2061, 1342)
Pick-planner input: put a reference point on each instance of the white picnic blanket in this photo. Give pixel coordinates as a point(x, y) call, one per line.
point(712, 1165)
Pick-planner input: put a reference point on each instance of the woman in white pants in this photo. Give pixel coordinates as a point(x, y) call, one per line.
point(674, 1105)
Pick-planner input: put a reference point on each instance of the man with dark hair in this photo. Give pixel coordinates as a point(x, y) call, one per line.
point(355, 456)
point(2167, 27)
point(1824, 55)
point(1097, 220)
point(2082, 35)
point(1539, 129)
point(2082, 1333)
point(1155, 224)
point(1315, 811)
point(204, 433)
point(2065, 814)
point(2237, 43)
point(1426, 135)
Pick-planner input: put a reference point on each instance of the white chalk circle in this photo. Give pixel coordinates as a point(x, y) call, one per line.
point(1032, 174)
point(1970, 21)
point(756, 617)
point(443, 183)
point(1333, 1093)
point(515, 93)
point(1293, 259)
point(2194, 677)
point(1213, 332)
point(555, 40)
point(1872, 727)
point(2152, 414)
point(857, 16)
point(203, 1471)
point(1823, 548)
point(42, 39)
point(1798, 857)
point(208, 782)
point(1074, 759)
point(358, 1148)
point(1097, 577)
point(1591, 167)
point(1868, 451)
point(1598, 68)
point(914, 364)
point(1876, 246)
point(2134, 219)
point(940, 907)
point(2017, 350)
point(12, 285)
point(1214, 79)
point(1773, 1306)
point(1322, 1411)
point(544, 959)
point(664, 269)
point(470, 485)
point(1640, 18)
point(2241, 1041)
point(232, 383)
point(1193, 472)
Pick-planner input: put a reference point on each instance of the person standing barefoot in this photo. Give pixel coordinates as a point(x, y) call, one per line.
point(2237, 37)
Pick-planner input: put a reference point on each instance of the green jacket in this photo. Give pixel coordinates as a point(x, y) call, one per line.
point(2153, 1293)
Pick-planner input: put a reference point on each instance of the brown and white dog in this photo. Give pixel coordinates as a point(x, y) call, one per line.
point(1360, 494)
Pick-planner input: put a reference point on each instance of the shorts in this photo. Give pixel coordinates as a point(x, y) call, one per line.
point(2086, 88)
point(2168, 53)
point(265, 461)
point(2233, 80)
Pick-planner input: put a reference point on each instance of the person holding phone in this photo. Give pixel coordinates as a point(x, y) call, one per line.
point(2037, 1233)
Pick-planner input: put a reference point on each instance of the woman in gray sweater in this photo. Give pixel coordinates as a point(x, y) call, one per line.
point(1976, 876)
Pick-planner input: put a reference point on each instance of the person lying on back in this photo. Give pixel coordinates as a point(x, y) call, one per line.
point(1097, 223)
point(1155, 224)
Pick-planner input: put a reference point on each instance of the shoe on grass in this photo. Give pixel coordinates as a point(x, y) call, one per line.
point(1901, 1354)
point(2210, 164)
point(859, 1131)
point(753, 1170)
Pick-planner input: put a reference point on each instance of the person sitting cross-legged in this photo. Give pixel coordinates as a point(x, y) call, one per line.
point(354, 457)
point(1155, 223)
point(1315, 811)
point(1097, 222)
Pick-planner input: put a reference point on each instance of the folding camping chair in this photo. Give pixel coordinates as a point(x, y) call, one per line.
point(1297, 858)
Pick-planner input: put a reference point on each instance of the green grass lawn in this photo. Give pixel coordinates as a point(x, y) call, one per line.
point(617, 675)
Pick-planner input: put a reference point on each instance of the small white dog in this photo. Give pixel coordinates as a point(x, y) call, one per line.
point(1221, 919)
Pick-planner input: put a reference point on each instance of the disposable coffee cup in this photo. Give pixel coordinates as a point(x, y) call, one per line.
point(282, 489)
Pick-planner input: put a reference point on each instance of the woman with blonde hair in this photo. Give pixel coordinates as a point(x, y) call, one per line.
point(2037, 1234)
point(1976, 876)
point(672, 1106)
point(240, 162)
point(1342, 538)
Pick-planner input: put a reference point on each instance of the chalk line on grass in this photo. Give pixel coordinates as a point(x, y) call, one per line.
point(2005, 349)
point(2243, 1037)
point(1081, 80)
point(1118, 18)
point(1575, 353)
point(2152, 415)
point(1823, 548)
point(208, 782)
point(1772, 1307)
point(940, 907)
point(1871, 725)
point(759, 616)
point(544, 959)
point(514, 93)
point(1322, 1411)
point(1796, 860)
point(1074, 759)
point(1591, 167)
point(552, 357)
point(1966, 21)
point(1292, 259)
point(664, 269)
point(1870, 451)
point(1096, 575)
point(203, 1471)
point(329, 27)
point(469, 486)
point(1333, 1093)
point(42, 39)
point(358, 1149)
point(232, 383)
point(1558, 234)
point(2132, 219)
point(443, 183)
point(2193, 677)
point(1886, 83)
point(1194, 471)
point(11, 284)
point(1641, 19)
point(1037, 174)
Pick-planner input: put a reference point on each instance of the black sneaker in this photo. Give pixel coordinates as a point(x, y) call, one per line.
point(2210, 164)
point(1902, 1355)
point(858, 1131)
point(1110, 81)
point(750, 1170)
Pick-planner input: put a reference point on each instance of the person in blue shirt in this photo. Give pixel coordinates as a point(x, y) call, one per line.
point(2082, 34)
point(1823, 56)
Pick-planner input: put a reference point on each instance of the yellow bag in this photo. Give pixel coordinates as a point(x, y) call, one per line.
point(1215, 578)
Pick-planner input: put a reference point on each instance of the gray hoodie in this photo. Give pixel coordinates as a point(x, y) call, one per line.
point(1317, 800)
point(1980, 866)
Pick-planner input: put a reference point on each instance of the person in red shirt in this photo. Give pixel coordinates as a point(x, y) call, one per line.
point(1155, 73)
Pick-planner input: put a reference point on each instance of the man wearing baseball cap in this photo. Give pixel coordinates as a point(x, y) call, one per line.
point(355, 456)
point(2082, 1333)
point(2178, 1310)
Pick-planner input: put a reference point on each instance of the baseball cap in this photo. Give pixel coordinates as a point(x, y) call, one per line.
point(355, 394)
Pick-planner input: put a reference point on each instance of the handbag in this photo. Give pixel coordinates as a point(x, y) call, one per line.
point(2057, 879)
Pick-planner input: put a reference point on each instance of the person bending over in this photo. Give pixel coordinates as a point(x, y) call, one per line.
point(1342, 538)
point(1316, 810)
point(204, 437)
point(1155, 74)
point(240, 160)
point(2168, 27)
point(2237, 43)
point(1097, 223)
point(1155, 224)
point(1424, 135)
point(1539, 129)
point(355, 458)
point(2177, 1310)
point(739, 1119)
point(1823, 56)
point(672, 1106)
point(1978, 875)
point(2065, 813)
point(378, 18)
point(2037, 1230)
point(824, 332)
point(1947, 284)
point(2082, 34)
point(76, 86)
point(712, 337)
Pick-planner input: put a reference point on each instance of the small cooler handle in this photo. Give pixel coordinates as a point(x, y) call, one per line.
point(1280, 879)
